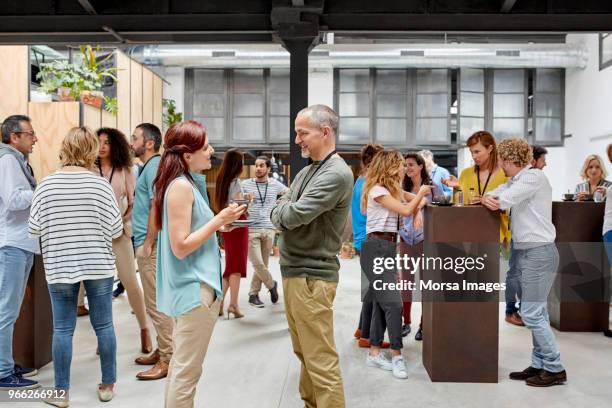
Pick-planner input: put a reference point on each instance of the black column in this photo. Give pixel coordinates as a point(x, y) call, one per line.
point(298, 96)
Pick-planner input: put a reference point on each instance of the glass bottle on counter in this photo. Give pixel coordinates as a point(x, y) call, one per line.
point(471, 196)
point(457, 196)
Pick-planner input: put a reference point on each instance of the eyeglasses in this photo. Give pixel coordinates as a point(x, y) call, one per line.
point(31, 133)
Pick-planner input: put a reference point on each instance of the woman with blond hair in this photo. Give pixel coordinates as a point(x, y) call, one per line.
point(529, 196)
point(594, 173)
point(75, 213)
point(385, 203)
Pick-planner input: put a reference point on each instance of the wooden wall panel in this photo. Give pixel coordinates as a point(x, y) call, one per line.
point(109, 120)
point(92, 117)
point(147, 95)
point(158, 95)
point(14, 81)
point(51, 121)
point(135, 94)
point(123, 93)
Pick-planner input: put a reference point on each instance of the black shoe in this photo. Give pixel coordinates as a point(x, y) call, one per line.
point(120, 289)
point(419, 335)
point(547, 379)
point(254, 301)
point(406, 330)
point(607, 333)
point(525, 374)
point(274, 293)
point(24, 371)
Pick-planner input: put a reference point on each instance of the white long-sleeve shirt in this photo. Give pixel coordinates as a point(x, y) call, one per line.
point(15, 199)
point(528, 195)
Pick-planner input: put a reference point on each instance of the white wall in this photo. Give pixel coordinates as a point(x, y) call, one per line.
point(174, 85)
point(588, 118)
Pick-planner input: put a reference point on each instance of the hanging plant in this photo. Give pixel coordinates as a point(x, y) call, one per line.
point(111, 105)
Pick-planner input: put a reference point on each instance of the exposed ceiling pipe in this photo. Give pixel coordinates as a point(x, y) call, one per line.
point(367, 55)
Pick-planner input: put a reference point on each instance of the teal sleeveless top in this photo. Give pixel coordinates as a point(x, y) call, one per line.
point(178, 281)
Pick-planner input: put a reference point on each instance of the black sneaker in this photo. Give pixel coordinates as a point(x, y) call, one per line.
point(406, 330)
point(17, 382)
point(274, 293)
point(525, 374)
point(24, 371)
point(419, 335)
point(254, 301)
point(119, 291)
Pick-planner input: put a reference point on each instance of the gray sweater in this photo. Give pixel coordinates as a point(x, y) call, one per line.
point(312, 224)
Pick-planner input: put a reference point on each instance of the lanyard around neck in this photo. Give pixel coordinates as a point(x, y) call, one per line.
point(305, 184)
point(110, 180)
point(480, 193)
point(263, 200)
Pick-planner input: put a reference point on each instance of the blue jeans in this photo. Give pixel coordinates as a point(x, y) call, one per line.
point(513, 283)
point(607, 238)
point(537, 268)
point(64, 302)
point(15, 265)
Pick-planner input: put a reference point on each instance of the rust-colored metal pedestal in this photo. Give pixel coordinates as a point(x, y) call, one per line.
point(580, 295)
point(460, 327)
point(34, 327)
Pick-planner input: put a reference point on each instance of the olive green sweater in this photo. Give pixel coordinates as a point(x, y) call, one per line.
point(312, 224)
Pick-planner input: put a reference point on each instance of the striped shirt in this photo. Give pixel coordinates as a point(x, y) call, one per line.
point(528, 195)
point(380, 218)
point(265, 195)
point(76, 216)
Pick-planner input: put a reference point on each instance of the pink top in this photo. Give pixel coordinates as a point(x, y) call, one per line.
point(123, 183)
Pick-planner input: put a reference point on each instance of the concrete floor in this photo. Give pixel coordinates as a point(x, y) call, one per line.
point(250, 364)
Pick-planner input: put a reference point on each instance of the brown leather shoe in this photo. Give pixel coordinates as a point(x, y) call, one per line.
point(82, 311)
point(514, 319)
point(546, 379)
point(525, 374)
point(151, 359)
point(159, 370)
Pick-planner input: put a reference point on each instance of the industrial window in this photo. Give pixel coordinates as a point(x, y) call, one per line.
point(605, 50)
point(240, 107)
point(395, 107)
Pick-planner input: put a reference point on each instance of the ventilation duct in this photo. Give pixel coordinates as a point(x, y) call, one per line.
point(369, 55)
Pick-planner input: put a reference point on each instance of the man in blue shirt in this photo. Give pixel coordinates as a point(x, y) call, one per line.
point(437, 173)
point(16, 248)
point(146, 141)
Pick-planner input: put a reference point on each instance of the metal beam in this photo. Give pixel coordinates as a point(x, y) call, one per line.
point(88, 7)
point(507, 5)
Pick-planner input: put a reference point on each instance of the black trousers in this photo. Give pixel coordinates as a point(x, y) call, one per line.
point(387, 305)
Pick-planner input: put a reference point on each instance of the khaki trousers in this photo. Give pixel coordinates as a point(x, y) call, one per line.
point(124, 259)
point(192, 332)
point(147, 266)
point(308, 307)
point(260, 245)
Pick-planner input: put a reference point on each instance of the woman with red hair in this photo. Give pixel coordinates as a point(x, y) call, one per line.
point(189, 261)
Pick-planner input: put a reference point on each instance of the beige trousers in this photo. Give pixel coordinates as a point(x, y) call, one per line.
point(192, 332)
point(124, 259)
point(260, 245)
point(308, 307)
point(147, 266)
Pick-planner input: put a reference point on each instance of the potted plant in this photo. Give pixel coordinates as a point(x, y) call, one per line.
point(94, 73)
point(111, 105)
point(59, 76)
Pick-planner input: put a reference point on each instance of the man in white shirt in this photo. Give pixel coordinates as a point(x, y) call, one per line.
point(265, 191)
point(528, 195)
point(16, 248)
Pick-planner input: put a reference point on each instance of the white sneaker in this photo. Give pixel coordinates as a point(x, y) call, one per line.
point(399, 367)
point(379, 361)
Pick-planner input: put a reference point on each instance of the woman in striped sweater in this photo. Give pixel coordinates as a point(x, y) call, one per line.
point(76, 215)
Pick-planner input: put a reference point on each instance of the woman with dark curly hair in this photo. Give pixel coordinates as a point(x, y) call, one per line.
point(115, 164)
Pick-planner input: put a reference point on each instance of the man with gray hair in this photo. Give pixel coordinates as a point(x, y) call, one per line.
point(436, 172)
point(16, 248)
point(311, 217)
